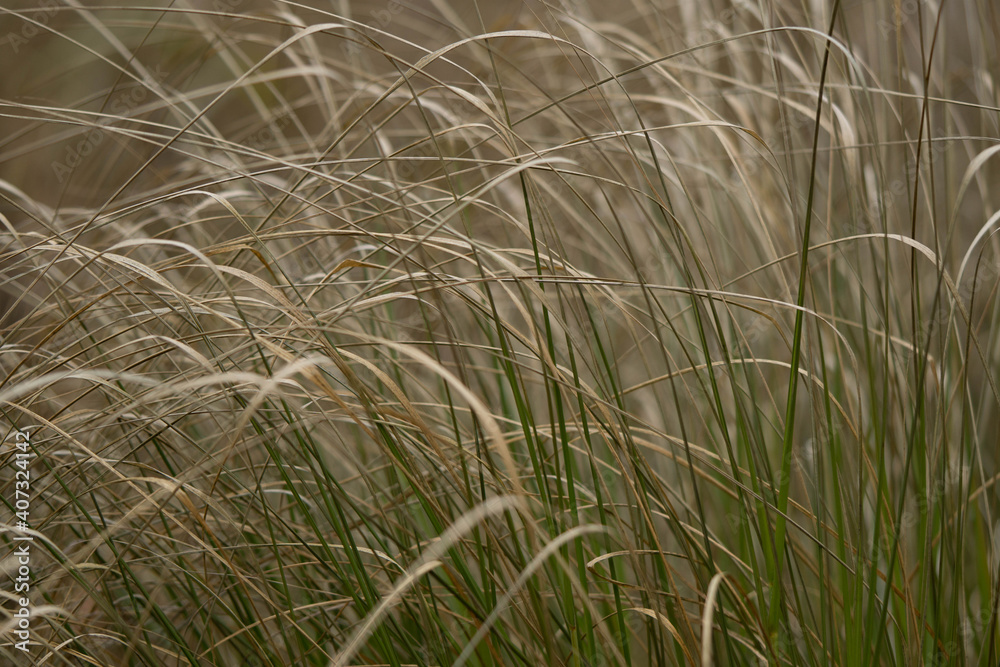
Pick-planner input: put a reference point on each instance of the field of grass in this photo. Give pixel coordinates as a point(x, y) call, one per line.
point(455, 332)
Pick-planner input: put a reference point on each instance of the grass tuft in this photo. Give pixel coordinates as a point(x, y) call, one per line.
point(511, 333)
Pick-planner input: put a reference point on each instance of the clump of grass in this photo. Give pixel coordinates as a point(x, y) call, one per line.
point(502, 333)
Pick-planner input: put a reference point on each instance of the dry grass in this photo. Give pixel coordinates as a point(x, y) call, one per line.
point(508, 333)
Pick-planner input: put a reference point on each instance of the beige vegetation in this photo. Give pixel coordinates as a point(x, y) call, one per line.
point(502, 333)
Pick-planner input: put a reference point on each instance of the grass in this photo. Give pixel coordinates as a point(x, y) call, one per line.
point(508, 333)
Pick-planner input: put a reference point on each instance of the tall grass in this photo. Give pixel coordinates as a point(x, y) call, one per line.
point(507, 333)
